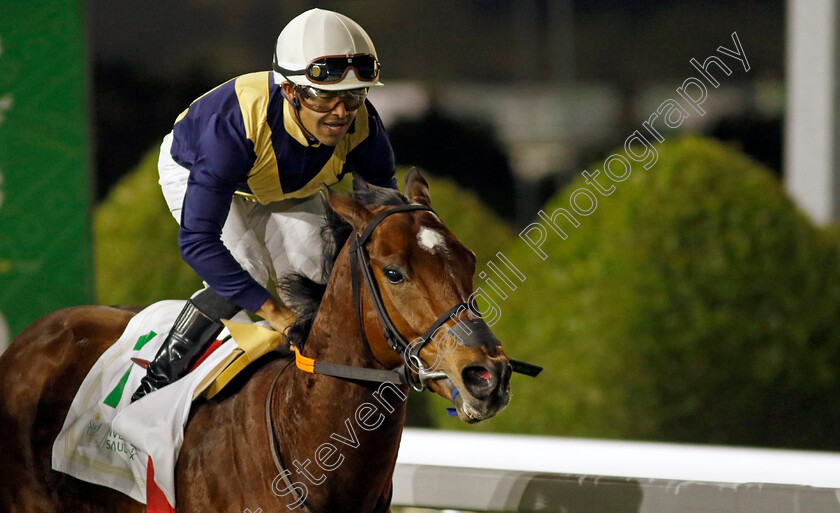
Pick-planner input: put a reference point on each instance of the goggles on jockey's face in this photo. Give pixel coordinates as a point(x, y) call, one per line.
point(333, 68)
point(320, 100)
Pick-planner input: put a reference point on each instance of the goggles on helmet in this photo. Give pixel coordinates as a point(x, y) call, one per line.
point(333, 68)
point(320, 100)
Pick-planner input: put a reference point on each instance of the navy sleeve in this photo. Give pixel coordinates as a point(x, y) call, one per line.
point(373, 159)
point(223, 158)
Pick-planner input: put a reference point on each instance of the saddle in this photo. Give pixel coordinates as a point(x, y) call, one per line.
point(252, 341)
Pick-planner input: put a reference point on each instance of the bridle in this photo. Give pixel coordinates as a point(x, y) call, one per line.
point(413, 372)
point(409, 351)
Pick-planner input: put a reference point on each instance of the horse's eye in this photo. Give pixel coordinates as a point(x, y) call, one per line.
point(393, 275)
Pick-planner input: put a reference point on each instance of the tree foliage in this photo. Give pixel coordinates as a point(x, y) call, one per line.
point(135, 243)
point(695, 304)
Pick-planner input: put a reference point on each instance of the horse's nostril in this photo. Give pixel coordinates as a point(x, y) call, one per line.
point(479, 381)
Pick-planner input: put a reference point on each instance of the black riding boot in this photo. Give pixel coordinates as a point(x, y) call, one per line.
point(196, 326)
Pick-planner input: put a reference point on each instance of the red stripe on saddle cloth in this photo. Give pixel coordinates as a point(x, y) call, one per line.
point(155, 499)
point(215, 345)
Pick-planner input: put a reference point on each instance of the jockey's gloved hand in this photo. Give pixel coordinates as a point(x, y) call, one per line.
point(278, 315)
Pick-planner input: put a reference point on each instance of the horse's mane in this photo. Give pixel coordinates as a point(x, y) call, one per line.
point(302, 294)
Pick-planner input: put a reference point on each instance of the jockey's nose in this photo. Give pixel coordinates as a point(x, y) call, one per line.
point(339, 110)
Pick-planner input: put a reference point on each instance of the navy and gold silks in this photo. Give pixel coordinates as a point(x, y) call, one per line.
point(242, 136)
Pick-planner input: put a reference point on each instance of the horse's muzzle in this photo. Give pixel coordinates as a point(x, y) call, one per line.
point(486, 384)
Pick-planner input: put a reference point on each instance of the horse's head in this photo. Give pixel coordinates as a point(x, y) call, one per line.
point(423, 277)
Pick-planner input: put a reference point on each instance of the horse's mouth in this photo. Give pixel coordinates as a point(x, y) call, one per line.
point(471, 410)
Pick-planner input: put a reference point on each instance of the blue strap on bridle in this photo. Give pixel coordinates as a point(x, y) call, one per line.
point(451, 411)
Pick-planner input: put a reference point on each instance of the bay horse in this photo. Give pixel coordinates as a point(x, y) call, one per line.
point(334, 457)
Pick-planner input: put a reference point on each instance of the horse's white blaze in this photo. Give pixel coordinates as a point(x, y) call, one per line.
point(430, 239)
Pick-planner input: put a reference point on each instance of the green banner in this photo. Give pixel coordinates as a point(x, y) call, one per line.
point(45, 254)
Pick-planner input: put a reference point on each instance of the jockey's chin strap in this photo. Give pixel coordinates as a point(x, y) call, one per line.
point(412, 373)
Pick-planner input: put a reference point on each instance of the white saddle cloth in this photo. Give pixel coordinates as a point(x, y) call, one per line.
point(107, 441)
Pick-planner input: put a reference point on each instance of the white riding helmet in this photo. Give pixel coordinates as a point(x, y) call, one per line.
point(304, 45)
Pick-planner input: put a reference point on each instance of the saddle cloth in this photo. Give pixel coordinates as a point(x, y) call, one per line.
point(107, 441)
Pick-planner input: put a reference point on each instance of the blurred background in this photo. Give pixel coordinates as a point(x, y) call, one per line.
point(698, 302)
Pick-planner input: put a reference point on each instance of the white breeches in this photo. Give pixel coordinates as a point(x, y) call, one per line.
point(268, 241)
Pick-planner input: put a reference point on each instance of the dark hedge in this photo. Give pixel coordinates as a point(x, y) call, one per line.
point(696, 304)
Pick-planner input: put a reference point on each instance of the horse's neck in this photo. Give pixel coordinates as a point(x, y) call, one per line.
point(335, 335)
point(363, 423)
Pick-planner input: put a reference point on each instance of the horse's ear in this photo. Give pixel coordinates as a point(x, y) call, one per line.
point(416, 188)
point(348, 208)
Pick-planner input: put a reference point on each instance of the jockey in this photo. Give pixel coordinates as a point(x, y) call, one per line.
point(242, 168)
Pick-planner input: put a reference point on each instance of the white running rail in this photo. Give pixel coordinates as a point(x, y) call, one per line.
point(490, 472)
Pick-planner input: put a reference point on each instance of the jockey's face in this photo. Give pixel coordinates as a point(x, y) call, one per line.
point(328, 127)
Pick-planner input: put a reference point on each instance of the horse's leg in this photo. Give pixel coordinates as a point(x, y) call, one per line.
point(39, 375)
